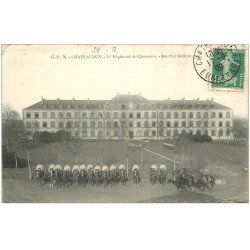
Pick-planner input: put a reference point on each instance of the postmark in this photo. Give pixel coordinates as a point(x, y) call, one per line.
point(222, 66)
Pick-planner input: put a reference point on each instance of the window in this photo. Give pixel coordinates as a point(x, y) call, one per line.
point(52, 124)
point(160, 133)
point(206, 124)
point(45, 124)
point(68, 124)
point(146, 115)
point(138, 124)
point(99, 124)
point(153, 133)
point(92, 115)
point(138, 133)
point(168, 124)
point(115, 115)
point(123, 115)
point(191, 124)
point(227, 115)
point(220, 124)
point(115, 124)
point(146, 133)
point(84, 124)
point(168, 115)
point(161, 124)
point(36, 124)
point(77, 133)
point(138, 115)
point(36, 115)
point(220, 115)
point(100, 134)
point(168, 133)
point(191, 132)
point(108, 124)
point(108, 134)
point(176, 124)
point(205, 132)
point(228, 124)
point(84, 133)
point(213, 124)
point(76, 115)
point(52, 115)
point(160, 115)
point(198, 124)
point(183, 115)
point(116, 133)
point(60, 125)
point(130, 124)
point(175, 115)
point(61, 115)
point(213, 133)
point(130, 115)
point(183, 124)
point(100, 115)
point(44, 114)
point(228, 131)
point(77, 124)
point(92, 124)
point(123, 124)
point(146, 124)
point(92, 133)
point(213, 115)
point(28, 115)
point(198, 115)
point(123, 106)
point(28, 125)
point(153, 124)
point(175, 132)
point(191, 115)
point(138, 106)
point(68, 115)
point(153, 115)
point(108, 115)
point(205, 115)
point(220, 132)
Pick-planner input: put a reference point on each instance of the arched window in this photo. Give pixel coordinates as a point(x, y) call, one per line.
point(92, 124)
point(68, 124)
point(228, 124)
point(108, 133)
point(206, 124)
point(92, 133)
point(138, 115)
point(138, 124)
point(52, 125)
point(99, 124)
point(84, 124)
point(92, 115)
point(68, 115)
point(76, 115)
point(115, 124)
point(161, 124)
point(228, 115)
point(176, 115)
point(131, 115)
point(84, 115)
point(116, 133)
point(60, 125)
point(205, 115)
point(153, 124)
point(146, 115)
point(28, 125)
point(123, 115)
point(52, 115)
point(77, 124)
point(28, 115)
point(168, 115)
point(183, 124)
point(108, 115)
point(100, 115)
point(160, 115)
point(191, 115)
point(154, 115)
point(220, 115)
point(198, 115)
point(183, 115)
point(100, 134)
point(146, 124)
point(213, 124)
point(108, 124)
point(115, 115)
point(60, 115)
point(36, 124)
point(220, 132)
point(44, 114)
point(213, 115)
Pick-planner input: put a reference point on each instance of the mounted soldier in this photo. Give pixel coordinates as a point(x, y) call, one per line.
point(39, 174)
point(153, 174)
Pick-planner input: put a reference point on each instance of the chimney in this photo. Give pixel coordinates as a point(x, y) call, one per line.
point(140, 95)
point(58, 100)
point(73, 100)
point(169, 101)
point(42, 100)
point(88, 101)
point(183, 99)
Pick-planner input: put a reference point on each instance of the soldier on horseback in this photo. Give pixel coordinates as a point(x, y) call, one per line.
point(153, 174)
point(51, 167)
point(136, 175)
point(39, 174)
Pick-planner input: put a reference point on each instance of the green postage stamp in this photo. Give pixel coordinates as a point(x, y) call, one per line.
point(223, 66)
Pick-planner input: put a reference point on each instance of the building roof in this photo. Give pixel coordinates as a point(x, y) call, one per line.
point(123, 99)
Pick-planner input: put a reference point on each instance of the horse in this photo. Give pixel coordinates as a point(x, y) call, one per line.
point(123, 177)
point(40, 177)
point(90, 177)
point(162, 177)
point(98, 178)
point(52, 178)
point(105, 178)
point(67, 178)
point(114, 177)
point(83, 178)
point(76, 179)
point(153, 176)
point(182, 180)
point(136, 177)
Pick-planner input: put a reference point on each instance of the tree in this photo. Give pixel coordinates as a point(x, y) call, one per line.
point(100, 150)
point(74, 146)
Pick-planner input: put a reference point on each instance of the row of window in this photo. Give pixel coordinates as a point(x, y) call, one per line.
point(124, 115)
point(131, 124)
point(146, 133)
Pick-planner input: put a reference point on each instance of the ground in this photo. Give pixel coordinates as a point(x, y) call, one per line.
point(224, 161)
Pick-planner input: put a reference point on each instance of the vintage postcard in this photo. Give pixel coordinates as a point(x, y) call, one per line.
point(125, 123)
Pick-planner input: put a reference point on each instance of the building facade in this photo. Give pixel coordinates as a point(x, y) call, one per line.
point(130, 117)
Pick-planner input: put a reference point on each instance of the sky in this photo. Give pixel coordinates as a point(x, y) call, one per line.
point(96, 72)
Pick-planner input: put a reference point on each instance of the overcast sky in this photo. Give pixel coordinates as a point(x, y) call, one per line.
point(30, 72)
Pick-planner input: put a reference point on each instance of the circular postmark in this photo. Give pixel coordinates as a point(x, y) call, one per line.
point(217, 64)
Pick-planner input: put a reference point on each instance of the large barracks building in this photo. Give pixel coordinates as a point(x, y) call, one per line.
point(130, 117)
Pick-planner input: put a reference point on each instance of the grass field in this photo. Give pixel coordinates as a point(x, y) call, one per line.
point(224, 161)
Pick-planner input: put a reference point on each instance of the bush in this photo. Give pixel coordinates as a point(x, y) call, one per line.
point(201, 138)
point(59, 136)
point(8, 160)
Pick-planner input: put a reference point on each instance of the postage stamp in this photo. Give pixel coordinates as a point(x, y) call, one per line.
point(223, 66)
